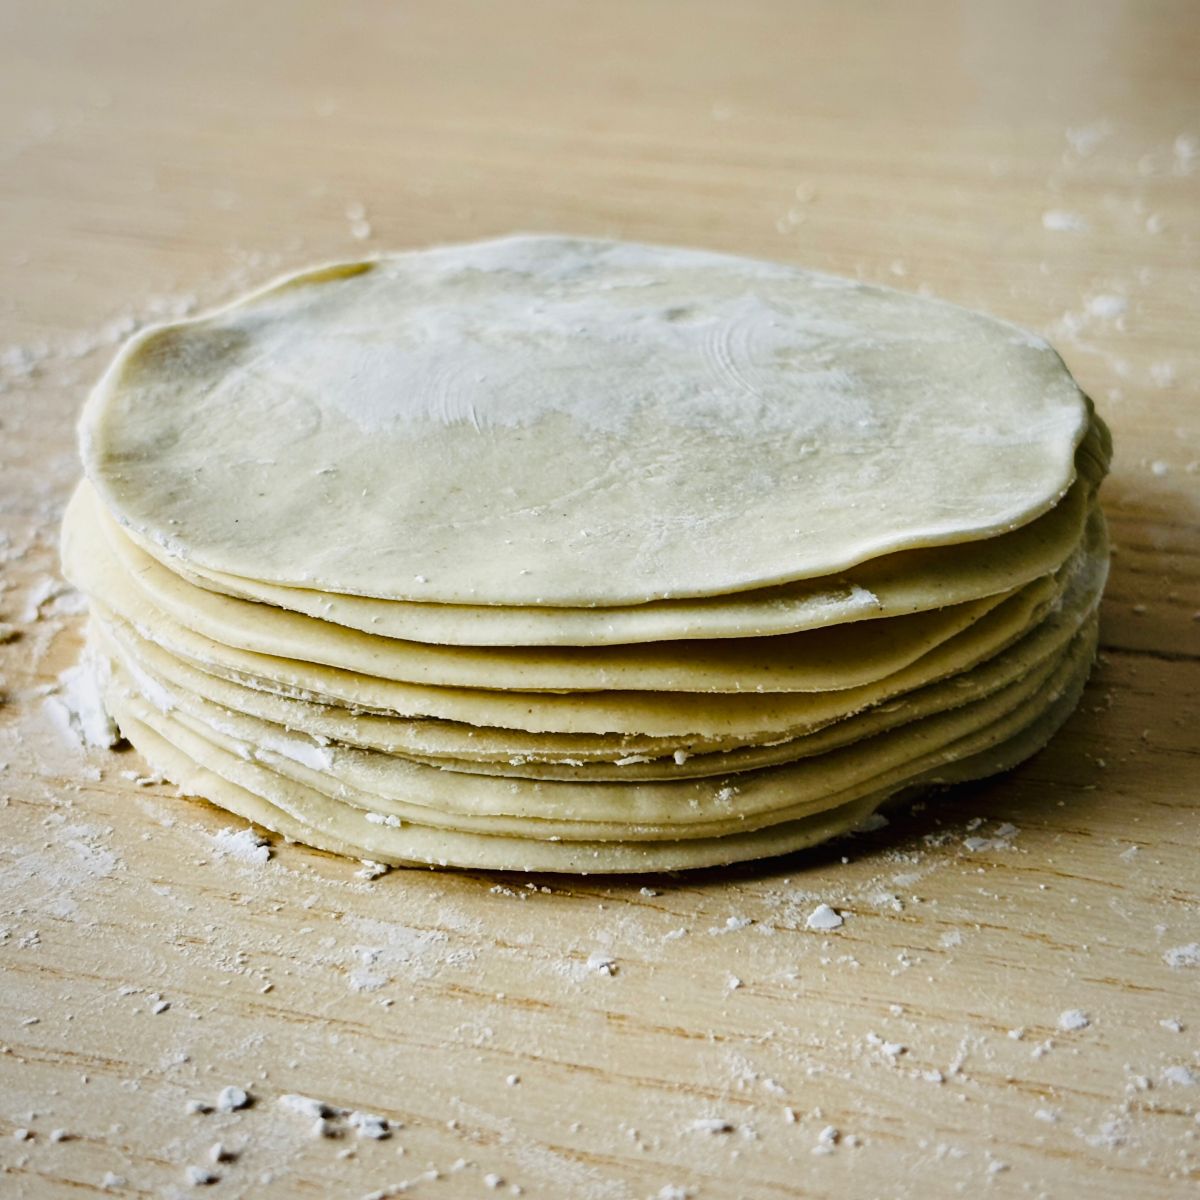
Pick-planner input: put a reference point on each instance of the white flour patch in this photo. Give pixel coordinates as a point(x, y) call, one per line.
point(1059, 221)
point(56, 878)
point(242, 844)
point(1107, 306)
point(389, 950)
point(1183, 956)
point(823, 918)
point(77, 708)
point(1180, 1076)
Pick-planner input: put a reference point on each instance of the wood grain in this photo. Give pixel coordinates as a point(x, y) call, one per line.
point(1040, 161)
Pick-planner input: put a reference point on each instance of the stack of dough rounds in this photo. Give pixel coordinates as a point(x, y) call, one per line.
point(559, 554)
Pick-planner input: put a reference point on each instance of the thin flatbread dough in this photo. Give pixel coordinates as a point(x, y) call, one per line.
point(817, 660)
point(895, 585)
point(296, 811)
point(406, 791)
point(572, 422)
point(507, 751)
point(344, 764)
point(716, 720)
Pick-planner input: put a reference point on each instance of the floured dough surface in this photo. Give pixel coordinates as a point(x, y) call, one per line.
point(291, 807)
point(554, 421)
point(895, 585)
point(815, 660)
point(563, 554)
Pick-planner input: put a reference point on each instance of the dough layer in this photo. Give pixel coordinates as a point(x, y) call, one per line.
point(551, 553)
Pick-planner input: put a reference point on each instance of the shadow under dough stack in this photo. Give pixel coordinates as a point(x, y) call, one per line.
point(558, 554)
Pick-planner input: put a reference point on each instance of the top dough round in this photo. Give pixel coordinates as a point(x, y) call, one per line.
point(561, 421)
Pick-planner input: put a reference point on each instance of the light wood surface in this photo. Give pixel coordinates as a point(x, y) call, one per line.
point(1039, 160)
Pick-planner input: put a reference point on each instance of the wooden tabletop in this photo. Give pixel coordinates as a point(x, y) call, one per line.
point(1013, 999)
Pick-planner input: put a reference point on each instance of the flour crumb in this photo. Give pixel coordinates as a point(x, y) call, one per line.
point(1183, 956)
point(827, 1139)
point(230, 1099)
point(200, 1176)
point(1180, 1076)
point(713, 1125)
point(1059, 221)
point(242, 844)
point(732, 925)
point(368, 1125)
point(1107, 306)
point(823, 918)
point(892, 1050)
point(1072, 1019)
point(601, 964)
point(77, 705)
point(389, 819)
point(306, 1106)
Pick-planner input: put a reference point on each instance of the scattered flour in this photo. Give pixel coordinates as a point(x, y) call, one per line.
point(1183, 956)
point(1180, 1076)
point(230, 1099)
point(242, 844)
point(1107, 306)
point(77, 706)
point(823, 918)
point(1059, 221)
point(712, 1125)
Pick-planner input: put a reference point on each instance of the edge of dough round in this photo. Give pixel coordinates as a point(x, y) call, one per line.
point(716, 342)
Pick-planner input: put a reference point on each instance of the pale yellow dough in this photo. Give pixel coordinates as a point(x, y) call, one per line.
point(575, 422)
point(816, 660)
point(737, 717)
point(307, 815)
point(562, 554)
point(907, 582)
point(510, 751)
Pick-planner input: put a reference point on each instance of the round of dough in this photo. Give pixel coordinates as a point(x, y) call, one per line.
point(554, 421)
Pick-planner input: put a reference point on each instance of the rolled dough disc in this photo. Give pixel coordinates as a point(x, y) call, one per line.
point(573, 422)
point(564, 554)
point(295, 810)
point(844, 656)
